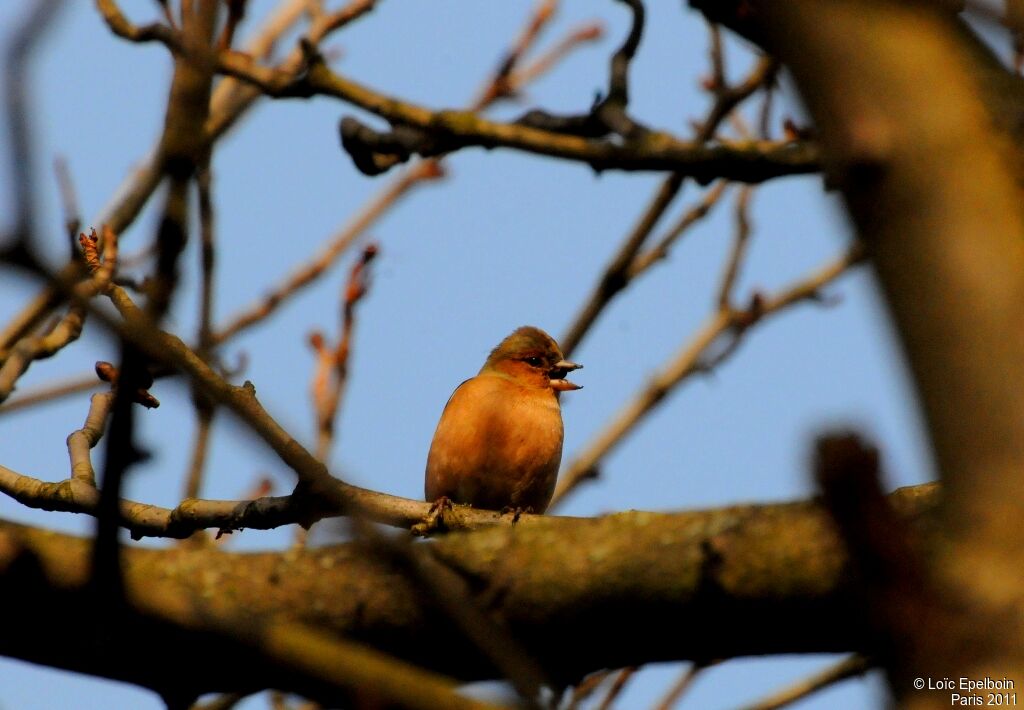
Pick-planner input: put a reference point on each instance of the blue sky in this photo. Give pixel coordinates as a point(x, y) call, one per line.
point(507, 239)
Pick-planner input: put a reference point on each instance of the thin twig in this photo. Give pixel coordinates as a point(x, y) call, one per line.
point(228, 104)
point(505, 80)
point(680, 686)
point(585, 688)
point(849, 667)
point(587, 32)
point(629, 262)
point(24, 41)
point(727, 97)
point(233, 97)
point(621, 678)
point(204, 408)
point(18, 246)
point(66, 330)
point(306, 275)
point(69, 203)
point(738, 250)
point(447, 131)
point(208, 256)
point(49, 393)
point(200, 451)
point(331, 373)
point(500, 84)
point(615, 276)
point(691, 360)
point(690, 217)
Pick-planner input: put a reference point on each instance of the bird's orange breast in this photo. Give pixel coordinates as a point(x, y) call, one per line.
point(498, 445)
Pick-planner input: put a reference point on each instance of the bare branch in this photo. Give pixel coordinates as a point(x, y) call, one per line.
point(692, 216)
point(750, 161)
point(49, 393)
point(850, 667)
point(621, 678)
point(616, 275)
point(738, 250)
point(690, 360)
point(307, 274)
point(681, 685)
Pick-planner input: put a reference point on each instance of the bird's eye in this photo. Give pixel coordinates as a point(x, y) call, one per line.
point(533, 361)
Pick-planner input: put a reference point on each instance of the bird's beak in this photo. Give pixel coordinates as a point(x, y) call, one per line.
point(558, 373)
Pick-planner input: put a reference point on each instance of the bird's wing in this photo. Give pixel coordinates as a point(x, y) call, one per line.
point(452, 395)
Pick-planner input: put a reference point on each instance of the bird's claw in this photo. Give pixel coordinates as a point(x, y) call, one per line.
point(516, 512)
point(433, 521)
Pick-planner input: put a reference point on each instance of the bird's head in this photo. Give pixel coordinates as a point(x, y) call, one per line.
point(531, 357)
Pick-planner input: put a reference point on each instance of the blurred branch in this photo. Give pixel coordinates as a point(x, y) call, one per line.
point(182, 149)
point(17, 247)
point(204, 409)
point(933, 188)
point(18, 244)
point(31, 348)
point(680, 687)
point(200, 451)
point(586, 687)
point(468, 612)
point(501, 84)
point(66, 330)
point(69, 204)
point(850, 667)
point(694, 214)
point(587, 32)
point(621, 678)
point(49, 393)
point(741, 239)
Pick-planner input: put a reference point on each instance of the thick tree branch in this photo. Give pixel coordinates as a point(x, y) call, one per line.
point(580, 594)
point(174, 640)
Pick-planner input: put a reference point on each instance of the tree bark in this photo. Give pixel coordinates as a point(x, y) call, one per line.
point(580, 594)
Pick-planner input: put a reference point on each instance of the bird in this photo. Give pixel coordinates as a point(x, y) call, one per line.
point(498, 444)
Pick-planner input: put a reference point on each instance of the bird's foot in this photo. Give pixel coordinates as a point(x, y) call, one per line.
point(433, 521)
point(516, 512)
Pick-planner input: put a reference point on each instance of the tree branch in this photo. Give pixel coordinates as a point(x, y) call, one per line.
point(580, 594)
point(433, 133)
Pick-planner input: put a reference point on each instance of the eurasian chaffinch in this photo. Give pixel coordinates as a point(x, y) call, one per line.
point(499, 442)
